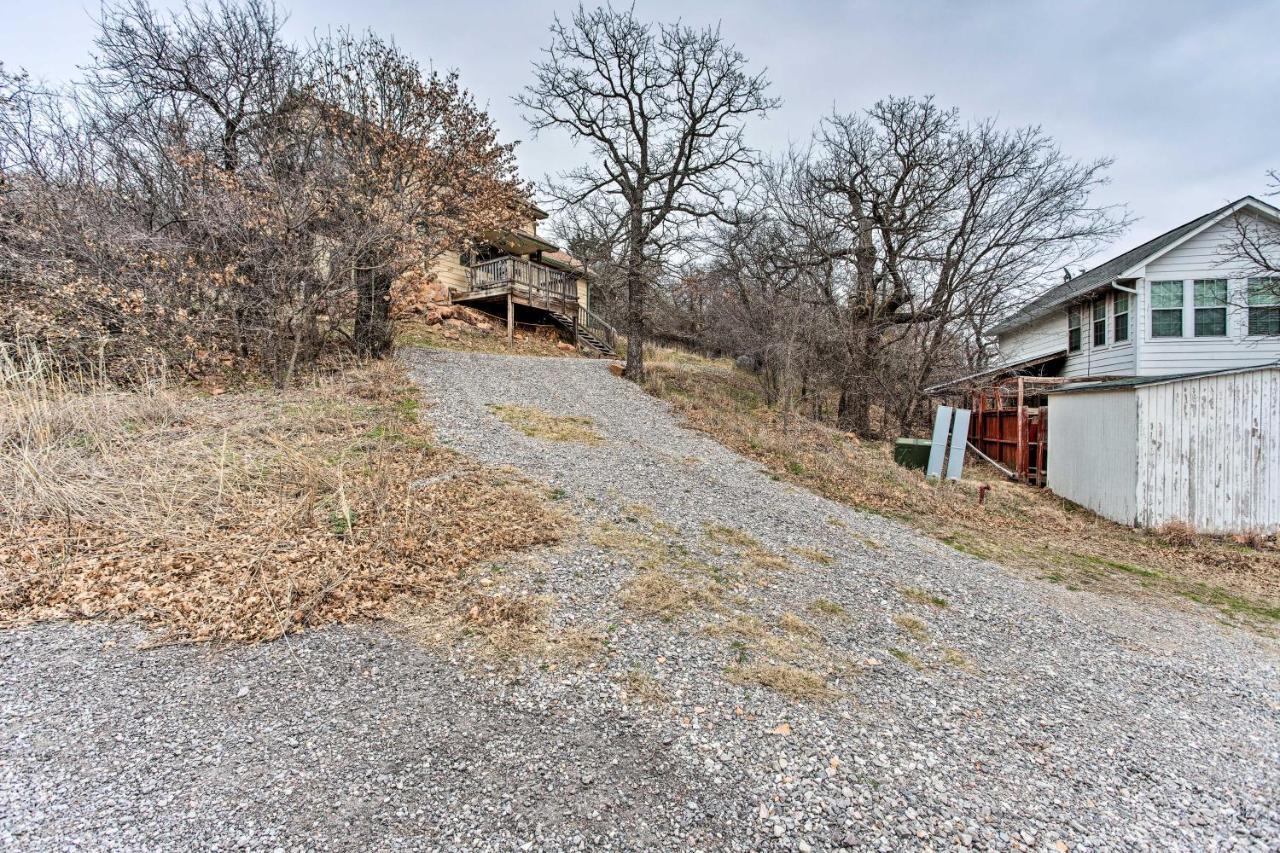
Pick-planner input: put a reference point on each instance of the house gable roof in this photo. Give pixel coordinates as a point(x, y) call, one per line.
point(1122, 265)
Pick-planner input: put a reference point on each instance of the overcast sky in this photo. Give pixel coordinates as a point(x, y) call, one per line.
point(1185, 96)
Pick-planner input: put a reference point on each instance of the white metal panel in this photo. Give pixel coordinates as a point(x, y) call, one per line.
point(1092, 455)
point(1210, 452)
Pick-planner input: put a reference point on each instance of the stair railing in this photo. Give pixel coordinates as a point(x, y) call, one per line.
point(596, 325)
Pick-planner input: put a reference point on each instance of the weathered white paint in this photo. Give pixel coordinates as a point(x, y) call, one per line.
point(1211, 452)
point(1203, 450)
point(1092, 458)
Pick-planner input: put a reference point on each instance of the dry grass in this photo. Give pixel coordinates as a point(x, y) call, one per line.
point(242, 517)
point(536, 423)
point(1028, 530)
point(958, 659)
point(723, 534)
point(826, 607)
point(640, 685)
point(657, 593)
point(913, 626)
point(919, 596)
point(790, 681)
point(814, 555)
point(793, 624)
point(908, 658)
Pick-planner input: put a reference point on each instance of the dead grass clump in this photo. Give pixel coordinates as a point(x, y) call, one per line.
point(1178, 534)
point(913, 626)
point(655, 592)
point(1026, 529)
point(790, 681)
point(827, 608)
point(793, 624)
point(908, 658)
point(958, 659)
point(245, 516)
point(919, 596)
point(814, 555)
point(579, 643)
point(536, 423)
point(640, 685)
point(725, 535)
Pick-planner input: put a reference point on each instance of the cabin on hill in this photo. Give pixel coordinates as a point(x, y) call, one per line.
point(519, 276)
point(1147, 387)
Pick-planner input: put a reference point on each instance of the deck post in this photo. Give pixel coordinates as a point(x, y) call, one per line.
point(511, 321)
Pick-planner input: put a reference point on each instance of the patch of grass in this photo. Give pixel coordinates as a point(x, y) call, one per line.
point(790, 681)
point(919, 596)
point(732, 536)
point(908, 658)
point(958, 659)
point(814, 555)
point(793, 624)
point(827, 608)
point(536, 423)
point(247, 515)
point(913, 626)
point(640, 685)
point(657, 593)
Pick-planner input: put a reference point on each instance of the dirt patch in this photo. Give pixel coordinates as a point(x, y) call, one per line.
point(242, 517)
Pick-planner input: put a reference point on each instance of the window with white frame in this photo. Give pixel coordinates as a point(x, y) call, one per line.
point(1100, 321)
point(1166, 309)
point(1073, 328)
point(1264, 306)
point(1120, 317)
point(1210, 304)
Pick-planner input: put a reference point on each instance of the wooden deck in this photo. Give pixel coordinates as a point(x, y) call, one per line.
point(509, 282)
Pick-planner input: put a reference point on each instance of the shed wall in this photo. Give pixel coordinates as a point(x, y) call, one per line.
point(1210, 452)
point(1092, 459)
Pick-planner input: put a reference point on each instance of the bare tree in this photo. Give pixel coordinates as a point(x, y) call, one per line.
point(662, 109)
point(1257, 244)
point(929, 222)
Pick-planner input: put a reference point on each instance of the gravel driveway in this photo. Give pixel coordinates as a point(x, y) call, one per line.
point(1019, 715)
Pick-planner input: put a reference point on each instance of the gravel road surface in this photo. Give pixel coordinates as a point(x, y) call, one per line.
point(1020, 715)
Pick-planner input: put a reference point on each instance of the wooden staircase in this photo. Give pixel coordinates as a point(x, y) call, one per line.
point(589, 331)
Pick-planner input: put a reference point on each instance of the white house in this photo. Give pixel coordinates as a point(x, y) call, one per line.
point(1176, 304)
point(1175, 346)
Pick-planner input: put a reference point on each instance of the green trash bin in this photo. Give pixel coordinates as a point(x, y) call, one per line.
point(912, 452)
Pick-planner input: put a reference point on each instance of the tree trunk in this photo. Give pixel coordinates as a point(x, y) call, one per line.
point(854, 413)
point(373, 307)
point(635, 309)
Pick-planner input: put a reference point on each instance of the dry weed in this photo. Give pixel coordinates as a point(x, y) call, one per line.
point(913, 626)
point(793, 624)
point(655, 592)
point(640, 685)
point(241, 517)
point(790, 681)
point(814, 555)
point(827, 608)
point(725, 535)
point(536, 423)
point(919, 596)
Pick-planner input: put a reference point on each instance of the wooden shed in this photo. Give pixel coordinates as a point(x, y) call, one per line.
point(1200, 448)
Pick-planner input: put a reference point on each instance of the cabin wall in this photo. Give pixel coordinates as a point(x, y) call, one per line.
point(1210, 452)
point(1091, 457)
point(1207, 255)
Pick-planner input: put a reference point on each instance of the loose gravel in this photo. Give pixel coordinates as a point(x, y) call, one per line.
point(1020, 715)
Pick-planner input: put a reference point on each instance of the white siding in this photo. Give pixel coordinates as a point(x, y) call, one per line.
point(1112, 359)
point(1204, 256)
point(1092, 455)
point(1209, 452)
point(1039, 338)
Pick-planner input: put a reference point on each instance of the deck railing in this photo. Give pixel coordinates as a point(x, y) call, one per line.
point(541, 285)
